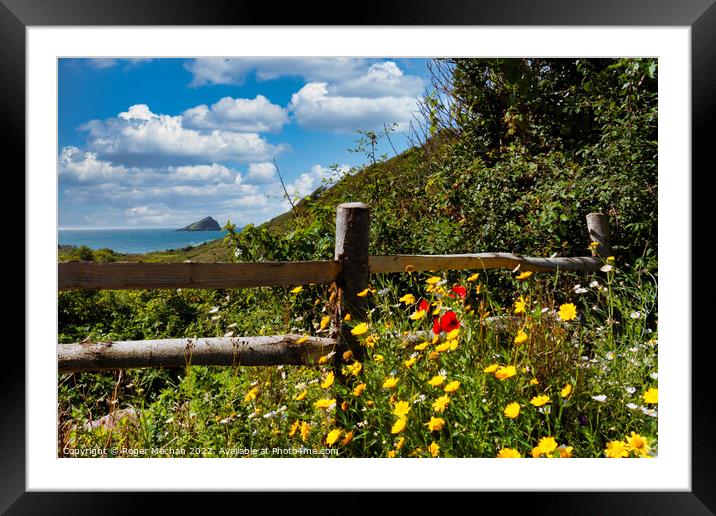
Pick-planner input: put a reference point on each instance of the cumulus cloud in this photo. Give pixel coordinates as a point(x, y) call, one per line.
point(314, 107)
point(231, 114)
point(140, 137)
point(208, 70)
point(317, 176)
point(84, 167)
point(384, 79)
point(264, 172)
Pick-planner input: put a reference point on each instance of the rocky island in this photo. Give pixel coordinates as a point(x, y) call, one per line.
point(205, 224)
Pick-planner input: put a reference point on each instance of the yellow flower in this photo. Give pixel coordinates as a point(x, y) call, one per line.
point(421, 347)
point(251, 395)
point(433, 355)
point(300, 395)
point(434, 449)
point(616, 450)
point(377, 358)
point(347, 317)
point(505, 372)
point(473, 277)
point(453, 334)
point(547, 445)
point(294, 427)
point(399, 443)
point(328, 381)
point(432, 280)
point(520, 305)
point(325, 321)
point(524, 275)
point(566, 390)
point(638, 444)
point(537, 452)
point(409, 363)
point(436, 338)
point(512, 410)
point(344, 406)
point(355, 368)
point(651, 396)
point(358, 389)
point(417, 315)
point(398, 426)
point(491, 368)
point(347, 355)
point(401, 408)
point(390, 382)
point(297, 290)
point(347, 438)
point(442, 347)
point(534, 381)
point(593, 245)
point(360, 329)
point(453, 345)
point(332, 298)
point(363, 293)
point(521, 337)
point(452, 386)
point(408, 299)
point(391, 454)
point(305, 429)
point(565, 452)
point(508, 453)
point(324, 403)
point(436, 380)
point(567, 312)
point(441, 403)
point(333, 436)
point(610, 260)
point(435, 424)
point(324, 359)
point(538, 401)
point(302, 339)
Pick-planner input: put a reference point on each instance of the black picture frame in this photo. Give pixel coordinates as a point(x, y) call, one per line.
point(699, 15)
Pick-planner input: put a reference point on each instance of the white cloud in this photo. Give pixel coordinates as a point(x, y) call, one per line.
point(314, 107)
point(307, 182)
point(85, 167)
point(233, 71)
point(247, 115)
point(155, 214)
point(213, 173)
point(384, 79)
point(101, 63)
point(140, 137)
point(264, 172)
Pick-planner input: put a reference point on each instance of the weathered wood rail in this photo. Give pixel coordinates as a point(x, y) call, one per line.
point(350, 270)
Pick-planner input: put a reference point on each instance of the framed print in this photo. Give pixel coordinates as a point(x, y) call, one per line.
point(159, 119)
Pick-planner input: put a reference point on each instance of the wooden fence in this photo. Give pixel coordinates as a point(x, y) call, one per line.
point(350, 270)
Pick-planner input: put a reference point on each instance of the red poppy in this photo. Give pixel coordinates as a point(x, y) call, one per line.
point(449, 322)
point(436, 325)
point(423, 305)
point(459, 290)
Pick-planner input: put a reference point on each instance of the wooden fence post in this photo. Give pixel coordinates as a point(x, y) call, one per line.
point(352, 235)
point(598, 227)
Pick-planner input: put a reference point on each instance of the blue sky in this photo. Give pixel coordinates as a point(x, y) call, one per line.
point(164, 142)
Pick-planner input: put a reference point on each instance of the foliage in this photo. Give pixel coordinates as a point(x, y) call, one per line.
point(511, 156)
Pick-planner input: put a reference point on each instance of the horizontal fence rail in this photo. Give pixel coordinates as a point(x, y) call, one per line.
point(123, 276)
point(221, 351)
point(349, 270)
point(418, 262)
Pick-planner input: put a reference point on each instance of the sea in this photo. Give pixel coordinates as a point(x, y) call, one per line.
point(136, 240)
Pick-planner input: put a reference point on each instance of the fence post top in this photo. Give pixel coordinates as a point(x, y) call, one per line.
point(353, 206)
